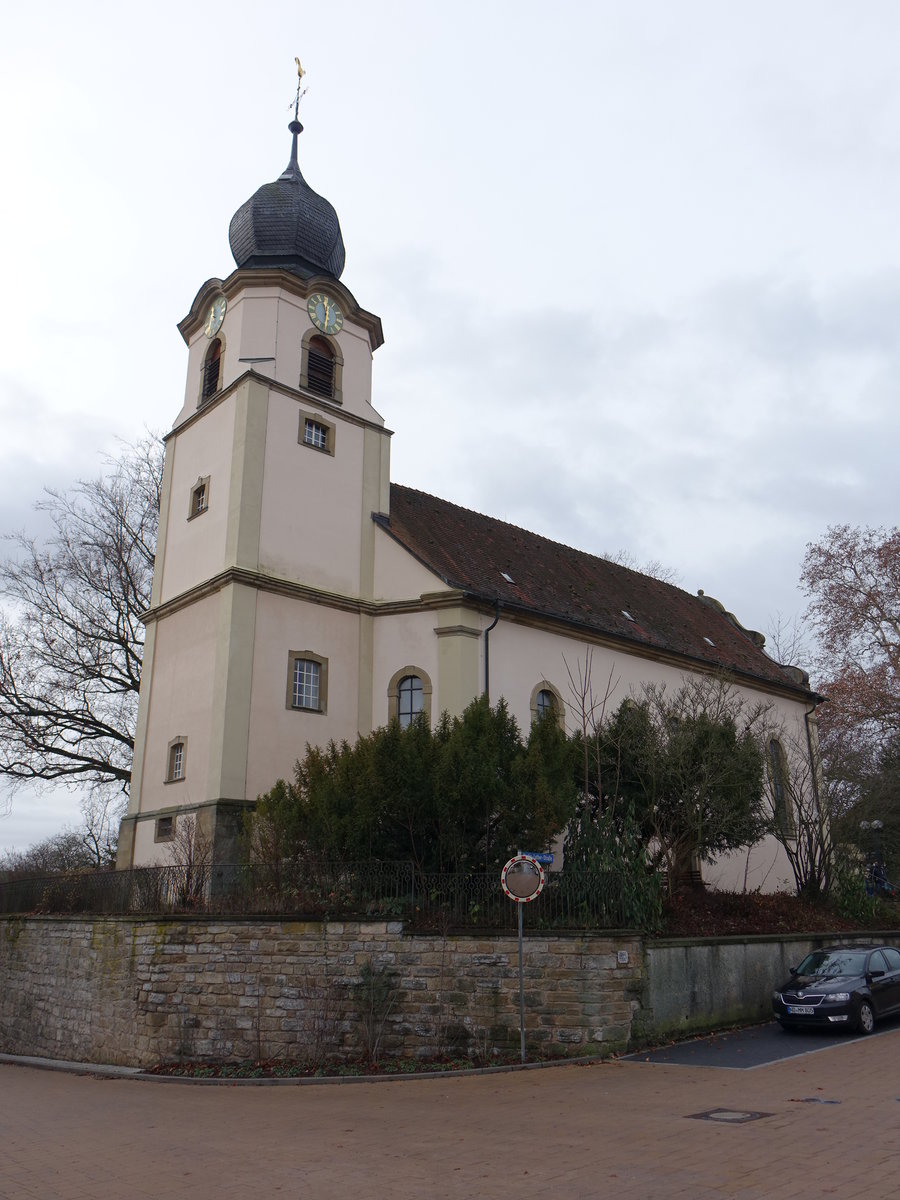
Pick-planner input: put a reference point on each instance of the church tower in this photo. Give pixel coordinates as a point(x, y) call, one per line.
point(265, 564)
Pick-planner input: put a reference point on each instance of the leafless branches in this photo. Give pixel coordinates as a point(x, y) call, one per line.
point(71, 635)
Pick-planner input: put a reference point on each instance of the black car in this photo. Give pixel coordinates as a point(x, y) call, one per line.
point(849, 986)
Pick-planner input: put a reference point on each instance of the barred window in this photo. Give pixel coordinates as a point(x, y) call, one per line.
point(165, 829)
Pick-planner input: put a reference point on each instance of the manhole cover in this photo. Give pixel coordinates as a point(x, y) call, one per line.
point(729, 1116)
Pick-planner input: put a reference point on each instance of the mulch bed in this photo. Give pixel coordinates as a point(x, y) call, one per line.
point(698, 913)
point(284, 1069)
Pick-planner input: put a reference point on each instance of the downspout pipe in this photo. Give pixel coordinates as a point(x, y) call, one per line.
point(487, 652)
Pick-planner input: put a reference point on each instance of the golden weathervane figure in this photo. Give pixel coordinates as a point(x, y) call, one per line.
point(300, 94)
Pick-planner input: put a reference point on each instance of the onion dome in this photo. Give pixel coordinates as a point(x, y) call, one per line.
point(286, 224)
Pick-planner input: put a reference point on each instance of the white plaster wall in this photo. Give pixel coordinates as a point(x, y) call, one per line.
point(763, 868)
point(310, 530)
point(521, 657)
point(399, 576)
point(278, 734)
point(357, 374)
point(181, 704)
point(400, 641)
point(195, 549)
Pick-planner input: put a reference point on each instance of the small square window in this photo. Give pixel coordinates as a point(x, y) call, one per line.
point(316, 433)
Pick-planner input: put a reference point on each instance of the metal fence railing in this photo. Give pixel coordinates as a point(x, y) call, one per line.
point(377, 890)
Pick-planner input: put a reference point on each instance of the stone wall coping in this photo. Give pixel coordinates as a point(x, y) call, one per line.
point(339, 924)
point(738, 939)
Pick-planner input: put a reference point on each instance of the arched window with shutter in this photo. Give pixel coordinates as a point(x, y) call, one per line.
point(212, 370)
point(321, 365)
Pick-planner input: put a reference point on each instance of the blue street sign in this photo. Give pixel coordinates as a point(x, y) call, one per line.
point(539, 857)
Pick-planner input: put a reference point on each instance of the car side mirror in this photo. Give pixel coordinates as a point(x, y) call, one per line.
point(876, 974)
point(793, 970)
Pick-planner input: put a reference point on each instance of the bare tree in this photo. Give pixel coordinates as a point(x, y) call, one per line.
point(62, 852)
point(71, 634)
point(191, 855)
point(802, 810)
point(652, 567)
point(787, 641)
point(590, 710)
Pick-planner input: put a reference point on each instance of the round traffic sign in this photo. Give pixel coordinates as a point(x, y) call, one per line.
point(522, 879)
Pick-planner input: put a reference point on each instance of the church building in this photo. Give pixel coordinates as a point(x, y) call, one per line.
point(300, 596)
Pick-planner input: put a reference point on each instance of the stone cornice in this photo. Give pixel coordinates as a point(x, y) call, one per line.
point(435, 601)
point(302, 397)
point(254, 277)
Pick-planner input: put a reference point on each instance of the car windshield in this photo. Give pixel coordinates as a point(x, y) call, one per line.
point(830, 963)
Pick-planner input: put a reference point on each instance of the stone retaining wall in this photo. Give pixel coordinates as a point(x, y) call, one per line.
point(140, 991)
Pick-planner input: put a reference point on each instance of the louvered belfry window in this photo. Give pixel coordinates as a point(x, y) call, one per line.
point(320, 367)
point(211, 369)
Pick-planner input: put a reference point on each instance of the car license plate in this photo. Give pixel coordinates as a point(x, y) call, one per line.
point(801, 1010)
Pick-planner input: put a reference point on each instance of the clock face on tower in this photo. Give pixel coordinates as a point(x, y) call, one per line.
point(324, 313)
point(215, 316)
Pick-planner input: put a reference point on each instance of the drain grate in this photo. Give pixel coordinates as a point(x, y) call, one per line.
point(728, 1116)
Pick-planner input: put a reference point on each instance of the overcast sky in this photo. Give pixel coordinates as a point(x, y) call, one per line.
point(638, 263)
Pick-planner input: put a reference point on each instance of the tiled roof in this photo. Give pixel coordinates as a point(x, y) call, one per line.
point(494, 561)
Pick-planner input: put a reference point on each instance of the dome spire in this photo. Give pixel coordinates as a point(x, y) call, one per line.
point(286, 224)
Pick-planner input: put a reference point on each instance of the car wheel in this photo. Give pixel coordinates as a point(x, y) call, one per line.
point(865, 1018)
point(788, 1027)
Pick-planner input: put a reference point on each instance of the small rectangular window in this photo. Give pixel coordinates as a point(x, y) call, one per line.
point(165, 829)
point(307, 681)
point(199, 498)
point(175, 765)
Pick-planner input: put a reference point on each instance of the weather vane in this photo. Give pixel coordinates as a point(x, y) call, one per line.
point(300, 94)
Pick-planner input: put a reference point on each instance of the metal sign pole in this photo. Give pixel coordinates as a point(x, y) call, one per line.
point(521, 988)
point(522, 879)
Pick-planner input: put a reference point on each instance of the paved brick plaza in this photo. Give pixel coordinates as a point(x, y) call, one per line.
point(617, 1129)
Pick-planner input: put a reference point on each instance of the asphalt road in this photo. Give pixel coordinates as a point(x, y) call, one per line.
point(757, 1046)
